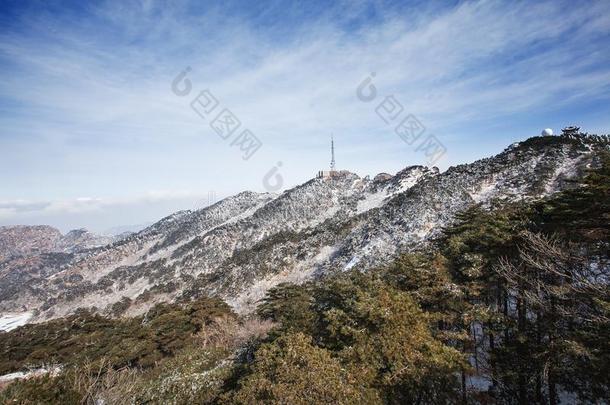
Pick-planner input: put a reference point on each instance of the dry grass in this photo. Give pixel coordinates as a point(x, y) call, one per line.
point(100, 382)
point(196, 372)
point(228, 333)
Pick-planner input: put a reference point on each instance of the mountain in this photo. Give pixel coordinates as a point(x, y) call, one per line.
point(22, 240)
point(124, 230)
point(29, 253)
point(241, 246)
point(27, 240)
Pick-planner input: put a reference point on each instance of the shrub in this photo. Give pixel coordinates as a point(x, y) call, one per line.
point(292, 370)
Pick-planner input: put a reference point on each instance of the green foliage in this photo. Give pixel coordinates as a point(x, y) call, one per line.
point(133, 342)
point(478, 238)
point(535, 280)
point(581, 214)
point(543, 142)
point(383, 332)
point(119, 307)
point(42, 390)
point(292, 370)
point(290, 306)
point(426, 277)
point(196, 375)
point(376, 334)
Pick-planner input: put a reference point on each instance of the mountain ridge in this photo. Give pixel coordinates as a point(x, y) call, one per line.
point(241, 246)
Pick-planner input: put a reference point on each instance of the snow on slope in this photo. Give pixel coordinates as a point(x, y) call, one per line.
point(240, 247)
point(12, 321)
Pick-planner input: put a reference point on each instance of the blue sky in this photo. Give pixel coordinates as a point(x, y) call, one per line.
point(92, 135)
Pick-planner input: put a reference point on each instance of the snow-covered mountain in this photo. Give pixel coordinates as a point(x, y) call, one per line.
point(241, 246)
point(29, 254)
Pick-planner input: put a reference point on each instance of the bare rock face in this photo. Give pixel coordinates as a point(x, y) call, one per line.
point(241, 246)
point(27, 240)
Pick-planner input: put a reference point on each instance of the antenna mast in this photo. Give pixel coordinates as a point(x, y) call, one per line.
point(332, 152)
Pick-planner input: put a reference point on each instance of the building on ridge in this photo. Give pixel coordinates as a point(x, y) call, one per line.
point(571, 130)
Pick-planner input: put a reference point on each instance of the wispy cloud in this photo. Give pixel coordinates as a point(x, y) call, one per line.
point(86, 108)
point(66, 214)
point(89, 204)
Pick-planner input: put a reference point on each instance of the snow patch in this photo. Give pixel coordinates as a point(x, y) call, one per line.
point(9, 322)
point(479, 383)
point(372, 201)
point(485, 192)
point(566, 169)
point(29, 374)
point(354, 261)
point(245, 301)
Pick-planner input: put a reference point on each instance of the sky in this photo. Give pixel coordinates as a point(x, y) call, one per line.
point(98, 129)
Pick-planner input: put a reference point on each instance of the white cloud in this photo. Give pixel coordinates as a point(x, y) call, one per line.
point(85, 204)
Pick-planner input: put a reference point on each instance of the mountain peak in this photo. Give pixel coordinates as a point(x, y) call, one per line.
point(240, 246)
